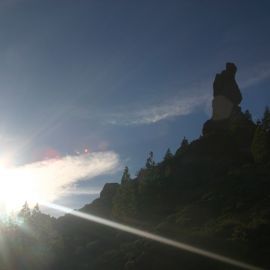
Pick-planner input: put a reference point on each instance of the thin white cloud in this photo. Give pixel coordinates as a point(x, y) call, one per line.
point(197, 96)
point(49, 180)
point(255, 75)
point(155, 113)
point(73, 190)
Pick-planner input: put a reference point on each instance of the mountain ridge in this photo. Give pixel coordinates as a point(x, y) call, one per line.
point(211, 193)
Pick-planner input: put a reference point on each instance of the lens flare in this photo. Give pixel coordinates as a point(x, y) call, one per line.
point(153, 237)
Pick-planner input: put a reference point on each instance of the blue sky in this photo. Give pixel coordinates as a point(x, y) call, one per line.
point(127, 77)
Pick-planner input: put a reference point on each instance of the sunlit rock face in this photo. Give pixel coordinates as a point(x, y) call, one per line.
point(226, 100)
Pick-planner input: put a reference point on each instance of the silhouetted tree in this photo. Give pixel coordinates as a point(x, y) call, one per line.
point(124, 202)
point(168, 155)
point(150, 163)
point(248, 115)
point(25, 212)
point(266, 119)
point(184, 143)
point(126, 176)
point(36, 210)
point(183, 147)
point(260, 145)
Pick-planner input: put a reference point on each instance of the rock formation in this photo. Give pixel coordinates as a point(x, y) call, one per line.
point(225, 104)
point(227, 95)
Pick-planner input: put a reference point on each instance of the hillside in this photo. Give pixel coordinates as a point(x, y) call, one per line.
point(213, 193)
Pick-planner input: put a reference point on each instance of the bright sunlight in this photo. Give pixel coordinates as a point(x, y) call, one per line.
point(51, 179)
point(17, 187)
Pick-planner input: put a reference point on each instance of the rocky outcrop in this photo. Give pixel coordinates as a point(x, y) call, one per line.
point(102, 206)
point(108, 192)
point(226, 100)
point(225, 84)
point(227, 95)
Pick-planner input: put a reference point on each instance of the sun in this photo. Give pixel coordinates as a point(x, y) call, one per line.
point(16, 187)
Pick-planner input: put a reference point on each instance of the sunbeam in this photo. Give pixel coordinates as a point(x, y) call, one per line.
point(154, 237)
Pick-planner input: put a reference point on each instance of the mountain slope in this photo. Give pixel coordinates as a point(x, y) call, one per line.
point(211, 194)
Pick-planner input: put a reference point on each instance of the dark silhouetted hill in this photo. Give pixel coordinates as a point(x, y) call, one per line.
point(213, 193)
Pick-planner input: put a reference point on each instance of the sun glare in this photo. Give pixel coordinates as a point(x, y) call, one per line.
point(16, 187)
point(49, 180)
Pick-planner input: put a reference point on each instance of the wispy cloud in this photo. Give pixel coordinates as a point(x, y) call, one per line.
point(196, 96)
point(179, 106)
point(74, 190)
point(49, 180)
point(255, 75)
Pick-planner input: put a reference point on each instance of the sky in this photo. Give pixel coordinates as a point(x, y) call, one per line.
point(90, 86)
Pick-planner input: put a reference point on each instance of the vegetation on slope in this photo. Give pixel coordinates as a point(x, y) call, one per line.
point(213, 193)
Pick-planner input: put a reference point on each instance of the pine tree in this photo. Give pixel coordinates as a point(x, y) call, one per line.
point(184, 143)
point(126, 176)
point(183, 147)
point(260, 145)
point(266, 119)
point(168, 155)
point(248, 115)
point(25, 212)
point(150, 163)
point(124, 202)
point(36, 210)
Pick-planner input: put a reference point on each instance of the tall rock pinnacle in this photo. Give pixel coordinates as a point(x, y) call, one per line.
point(226, 100)
point(227, 95)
